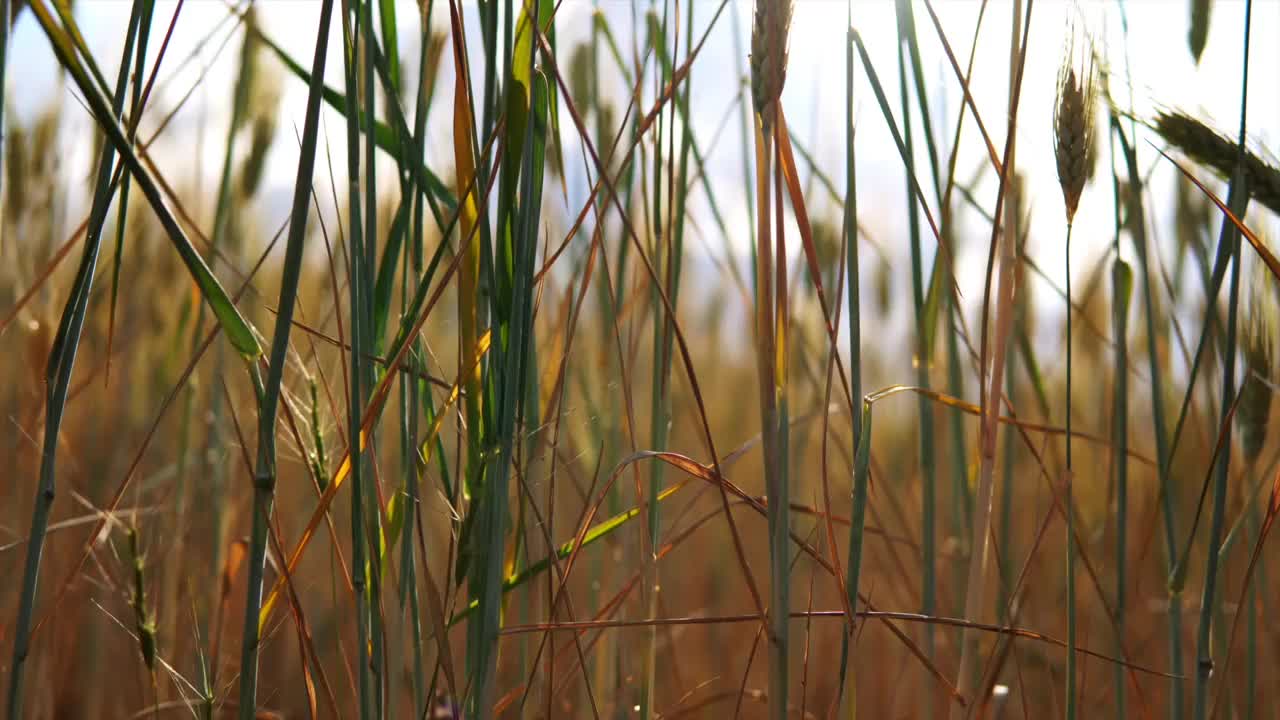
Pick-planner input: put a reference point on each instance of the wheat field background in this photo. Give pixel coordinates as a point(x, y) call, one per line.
point(892, 358)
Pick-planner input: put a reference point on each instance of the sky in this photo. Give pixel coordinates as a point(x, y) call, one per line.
point(1164, 76)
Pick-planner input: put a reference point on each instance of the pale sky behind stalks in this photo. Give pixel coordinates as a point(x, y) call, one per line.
point(1163, 76)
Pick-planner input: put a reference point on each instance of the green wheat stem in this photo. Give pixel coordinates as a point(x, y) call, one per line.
point(1122, 290)
point(659, 408)
point(1204, 654)
point(1238, 201)
point(62, 357)
point(928, 465)
point(848, 679)
point(355, 283)
point(269, 392)
point(1137, 224)
point(1070, 510)
point(369, 341)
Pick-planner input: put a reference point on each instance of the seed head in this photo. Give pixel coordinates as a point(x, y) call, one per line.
point(769, 33)
point(250, 65)
point(1073, 134)
point(1198, 33)
point(1213, 149)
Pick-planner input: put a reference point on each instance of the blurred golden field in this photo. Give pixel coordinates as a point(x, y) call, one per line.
point(701, 360)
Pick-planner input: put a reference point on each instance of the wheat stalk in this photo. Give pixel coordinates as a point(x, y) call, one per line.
point(1075, 150)
point(769, 30)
